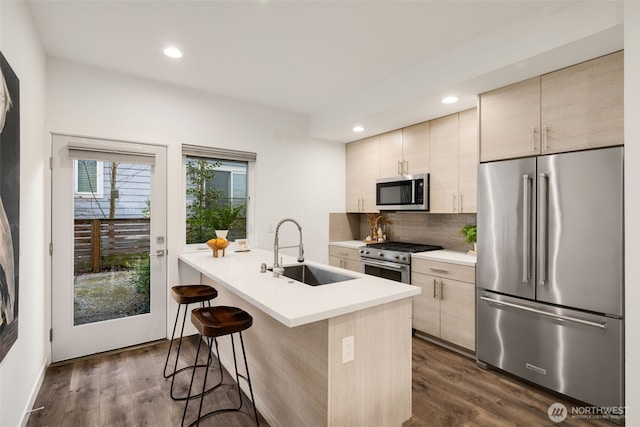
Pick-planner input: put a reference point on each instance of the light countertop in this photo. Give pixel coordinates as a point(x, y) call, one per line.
point(445, 255)
point(351, 244)
point(290, 302)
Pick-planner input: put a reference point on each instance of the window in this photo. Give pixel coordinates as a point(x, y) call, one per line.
point(89, 180)
point(217, 192)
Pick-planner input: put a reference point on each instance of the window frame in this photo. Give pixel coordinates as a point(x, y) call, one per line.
point(219, 154)
point(99, 193)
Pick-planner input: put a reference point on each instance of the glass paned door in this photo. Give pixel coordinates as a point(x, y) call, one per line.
point(108, 269)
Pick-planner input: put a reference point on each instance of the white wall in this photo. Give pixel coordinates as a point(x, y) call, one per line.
point(22, 369)
point(632, 207)
point(296, 176)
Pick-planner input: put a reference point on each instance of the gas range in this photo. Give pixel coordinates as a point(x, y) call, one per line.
point(397, 252)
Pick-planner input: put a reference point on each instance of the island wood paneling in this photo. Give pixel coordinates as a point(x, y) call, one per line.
point(288, 366)
point(298, 375)
point(374, 388)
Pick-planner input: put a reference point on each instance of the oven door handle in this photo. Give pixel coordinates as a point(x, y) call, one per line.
point(385, 265)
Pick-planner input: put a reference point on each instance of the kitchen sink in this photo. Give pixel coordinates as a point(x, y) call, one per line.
point(312, 275)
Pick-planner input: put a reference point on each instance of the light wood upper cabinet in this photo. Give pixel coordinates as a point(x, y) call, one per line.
point(444, 165)
point(391, 153)
point(510, 121)
point(405, 151)
point(582, 106)
point(415, 148)
point(576, 108)
point(363, 160)
point(454, 159)
point(468, 160)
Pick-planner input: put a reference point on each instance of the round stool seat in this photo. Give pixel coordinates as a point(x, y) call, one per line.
point(189, 294)
point(220, 320)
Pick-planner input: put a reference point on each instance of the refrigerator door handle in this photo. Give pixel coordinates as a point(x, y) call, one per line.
point(544, 313)
point(543, 226)
point(526, 228)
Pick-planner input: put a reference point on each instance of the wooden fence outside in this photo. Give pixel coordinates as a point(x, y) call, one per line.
point(103, 243)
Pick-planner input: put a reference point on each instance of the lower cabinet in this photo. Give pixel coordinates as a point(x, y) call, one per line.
point(342, 257)
point(446, 307)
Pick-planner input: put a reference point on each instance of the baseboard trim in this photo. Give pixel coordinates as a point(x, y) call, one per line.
point(460, 350)
point(34, 394)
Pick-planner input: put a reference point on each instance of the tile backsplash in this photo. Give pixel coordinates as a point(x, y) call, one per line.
point(415, 227)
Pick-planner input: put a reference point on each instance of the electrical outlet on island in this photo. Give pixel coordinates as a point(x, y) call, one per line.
point(348, 349)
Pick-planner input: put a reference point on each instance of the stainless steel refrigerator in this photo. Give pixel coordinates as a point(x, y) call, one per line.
point(551, 272)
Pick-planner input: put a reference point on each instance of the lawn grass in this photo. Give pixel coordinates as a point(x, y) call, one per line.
point(105, 296)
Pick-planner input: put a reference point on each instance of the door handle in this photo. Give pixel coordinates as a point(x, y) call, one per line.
point(159, 252)
point(545, 313)
point(543, 226)
point(526, 228)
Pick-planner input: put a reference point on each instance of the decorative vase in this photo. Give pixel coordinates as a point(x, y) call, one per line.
point(222, 233)
point(218, 244)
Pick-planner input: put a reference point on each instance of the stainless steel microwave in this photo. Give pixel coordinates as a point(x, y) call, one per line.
point(403, 193)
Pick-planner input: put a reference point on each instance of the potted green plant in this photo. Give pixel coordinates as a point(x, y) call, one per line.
point(225, 218)
point(469, 233)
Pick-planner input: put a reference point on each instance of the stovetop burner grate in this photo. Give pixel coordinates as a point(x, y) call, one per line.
point(404, 247)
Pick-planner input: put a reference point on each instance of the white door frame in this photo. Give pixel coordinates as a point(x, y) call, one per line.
point(69, 341)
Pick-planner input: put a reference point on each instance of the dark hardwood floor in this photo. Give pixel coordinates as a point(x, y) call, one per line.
point(127, 389)
point(450, 390)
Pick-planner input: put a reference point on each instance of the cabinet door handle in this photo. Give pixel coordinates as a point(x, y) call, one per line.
point(434, 289)
point(454, 203)
point(399, 167)
point(545, 139)
point(441, 290)
point(533, 139)
point(438, 270)
point(405, 166)
point(461, 203)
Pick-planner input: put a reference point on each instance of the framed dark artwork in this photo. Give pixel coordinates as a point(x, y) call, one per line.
point(9, 205)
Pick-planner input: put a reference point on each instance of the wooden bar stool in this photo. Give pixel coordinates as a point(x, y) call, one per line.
point(213, 322)
point(185, 295)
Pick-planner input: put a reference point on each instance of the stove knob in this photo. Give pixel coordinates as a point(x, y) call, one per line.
point(403, 258)
point(397, 257)
point(380, 253)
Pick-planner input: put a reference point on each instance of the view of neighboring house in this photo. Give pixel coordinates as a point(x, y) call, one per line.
point(111, 189)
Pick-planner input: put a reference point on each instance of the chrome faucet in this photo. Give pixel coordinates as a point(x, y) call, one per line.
point(277, 268)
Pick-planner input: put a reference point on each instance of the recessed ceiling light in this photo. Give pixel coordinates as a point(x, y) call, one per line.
point(450, 100)
point(357, 129)
point(173, 52)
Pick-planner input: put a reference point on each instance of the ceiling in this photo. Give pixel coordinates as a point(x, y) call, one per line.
point(381, 64)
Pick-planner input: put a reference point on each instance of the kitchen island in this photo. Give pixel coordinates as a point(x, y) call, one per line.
point(295, 346)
